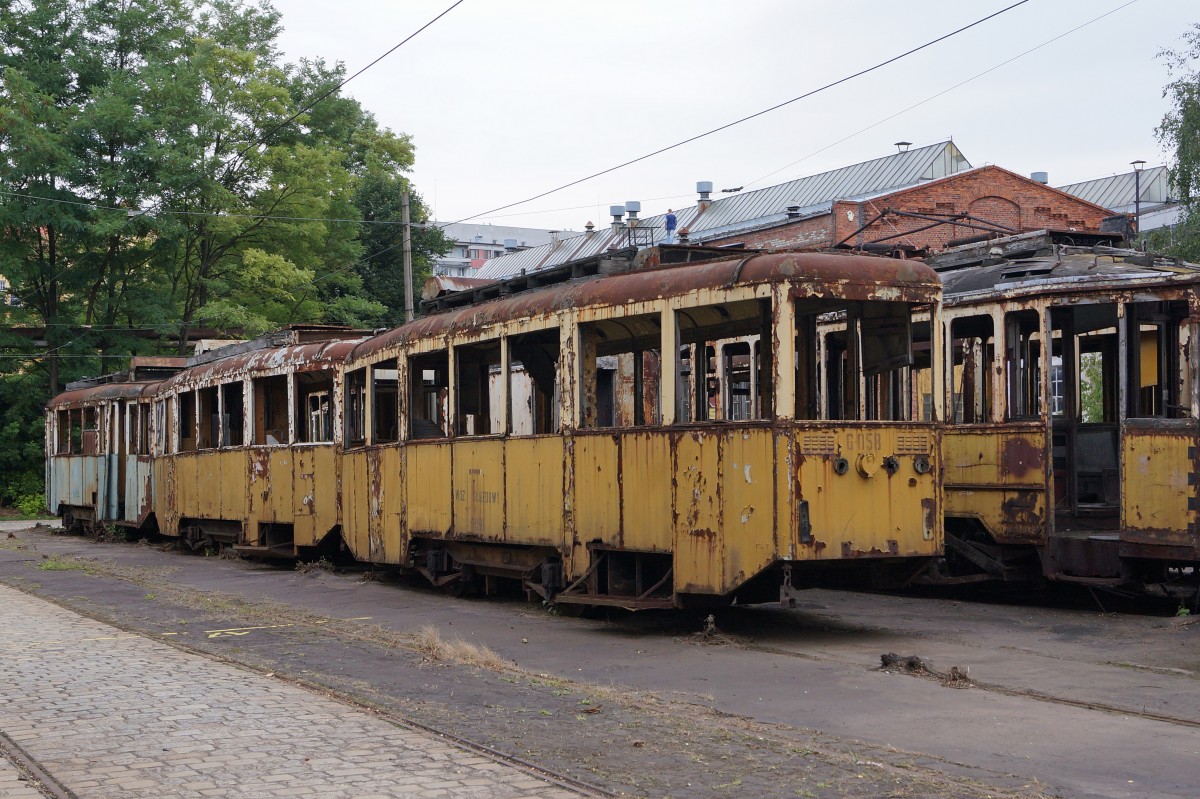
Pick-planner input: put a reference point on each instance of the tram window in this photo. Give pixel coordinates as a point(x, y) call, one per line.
point(162, 426)
point(356, 408)
point(533, 382)
point(622, 371)
point(187, 421)
point(1023, 364)
point(476, 366)
point(719, 377)
point(314, 407)
point(808, 401)
point(886, 359)
point(117, 443)
point(232, 414)
point(972, 349)
point(140, 429)
point(921, 384)
point(1153, 346)
point(271, 410)
point(89, 432)
point(210, 421)
point(384, 403)
point(62, 432)
point(429, 395)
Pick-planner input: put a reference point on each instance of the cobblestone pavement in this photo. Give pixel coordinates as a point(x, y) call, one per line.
point(108, 713)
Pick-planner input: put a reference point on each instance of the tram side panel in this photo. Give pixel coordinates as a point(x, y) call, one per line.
point(996, 476)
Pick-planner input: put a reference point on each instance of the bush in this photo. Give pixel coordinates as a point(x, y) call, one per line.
point(32, 505)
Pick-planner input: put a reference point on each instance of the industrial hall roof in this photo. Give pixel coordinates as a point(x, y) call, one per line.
point(751, 210)
point(1116, 192)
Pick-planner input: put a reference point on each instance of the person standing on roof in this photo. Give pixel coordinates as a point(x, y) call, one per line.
point(669, 223)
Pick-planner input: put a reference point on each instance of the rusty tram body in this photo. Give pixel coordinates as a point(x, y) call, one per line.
point(1071, 445)
point(642, 434)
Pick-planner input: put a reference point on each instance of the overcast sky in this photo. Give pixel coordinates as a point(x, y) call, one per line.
point(506, 99)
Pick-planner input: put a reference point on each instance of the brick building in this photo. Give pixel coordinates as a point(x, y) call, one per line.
point(925, 217)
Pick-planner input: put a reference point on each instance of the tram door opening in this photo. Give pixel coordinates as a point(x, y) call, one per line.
point(1112, 374)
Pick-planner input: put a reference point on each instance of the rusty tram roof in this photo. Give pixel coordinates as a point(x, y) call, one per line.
point(835, 275)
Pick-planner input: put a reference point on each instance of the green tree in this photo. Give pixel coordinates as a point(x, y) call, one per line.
point(1180, 133)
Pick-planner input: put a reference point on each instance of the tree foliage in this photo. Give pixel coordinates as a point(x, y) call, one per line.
point(1180, 133)
point(153, 180)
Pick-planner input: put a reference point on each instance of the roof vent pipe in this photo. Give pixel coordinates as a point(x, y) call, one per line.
point(793, 212)
point(510, 244)
point(589, 227)
point(618, 212)
point(704, 189)
point(1040, 177)
point(633, 207)
point(902, 146)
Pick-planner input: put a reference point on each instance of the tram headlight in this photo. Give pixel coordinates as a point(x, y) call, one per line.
point(921, 464)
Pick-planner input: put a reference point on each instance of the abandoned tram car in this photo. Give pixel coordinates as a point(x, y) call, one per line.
point(1072, 437)
point(655, 436)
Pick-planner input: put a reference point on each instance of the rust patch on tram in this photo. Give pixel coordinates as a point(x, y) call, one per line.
point(1019, 457)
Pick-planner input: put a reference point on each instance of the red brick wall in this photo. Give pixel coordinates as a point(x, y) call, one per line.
point(989, 193)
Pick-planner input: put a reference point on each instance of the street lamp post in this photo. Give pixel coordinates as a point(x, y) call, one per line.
point(1137, 196)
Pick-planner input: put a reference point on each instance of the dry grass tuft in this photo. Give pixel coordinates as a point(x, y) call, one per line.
point(434, 648)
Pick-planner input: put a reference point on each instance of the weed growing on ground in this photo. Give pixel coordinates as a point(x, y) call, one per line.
point(1183, 610)
point(433, 648)
point(55, 563)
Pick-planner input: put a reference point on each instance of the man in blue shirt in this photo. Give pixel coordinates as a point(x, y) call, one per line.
point(669, 223)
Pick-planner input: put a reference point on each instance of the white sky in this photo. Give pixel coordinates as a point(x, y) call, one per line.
point(506, 99)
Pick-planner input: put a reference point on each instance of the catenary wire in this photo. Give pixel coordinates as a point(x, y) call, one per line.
point(755, 115)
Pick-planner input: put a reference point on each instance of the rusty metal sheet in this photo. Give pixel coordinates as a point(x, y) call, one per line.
point(859, 508)
point(428, 502)
point(647, 482)
point(534, 490)
point(479, 488)
point(749, 516)
point(391, 512)
point(598, 487)
point(1158, 486)
point(105, 393)
point(314, 493)
point(356, 504)
point(699, 543)
point(996, 474)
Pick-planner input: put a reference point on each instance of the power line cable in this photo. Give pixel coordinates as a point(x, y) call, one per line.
point(726, 126)
point(958, 85)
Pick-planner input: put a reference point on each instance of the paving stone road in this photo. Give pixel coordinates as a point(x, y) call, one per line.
point(108, 713)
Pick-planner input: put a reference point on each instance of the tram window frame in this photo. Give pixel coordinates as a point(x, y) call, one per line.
point(208, 417)
point(1023, 365)
point(185, 403)
point(621, 374)
point(885, 333)
point(62, 432)
point(270, 403)
point(385, 401)
point(476, 370)
point(233, 414)
point(1154, 329)
point(118, 445)
point(978, 332)
point(314, 407)
point(354, 423)
point(704, 331)
point(921, 372)
point(141, 429)
point(535, 356)
point(429, 395)
point(89, 431)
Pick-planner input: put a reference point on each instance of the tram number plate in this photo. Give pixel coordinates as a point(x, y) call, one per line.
point(863, 441)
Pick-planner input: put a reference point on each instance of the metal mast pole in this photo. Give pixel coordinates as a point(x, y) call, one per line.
point(408, 278)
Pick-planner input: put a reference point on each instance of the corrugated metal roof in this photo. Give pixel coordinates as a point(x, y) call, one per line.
point(1116, 192)
point(755, 209)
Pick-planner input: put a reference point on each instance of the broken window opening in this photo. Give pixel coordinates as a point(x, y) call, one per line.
point(90, 432)
point(210, 421)
point(142, 429)
point(118, 445)
point(271, 410)
point(533, 384)
point(921, 382)
point(385, 402)
point(972, 351)
point(1156, 373)
point(621, 371)
point(233, 414)
point(314, 407)
point(721, 373)
point(429, 395)
point(886, 330)
point(356, 408)
point(477, 388)
point(1023, 364)
point(187, 421)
